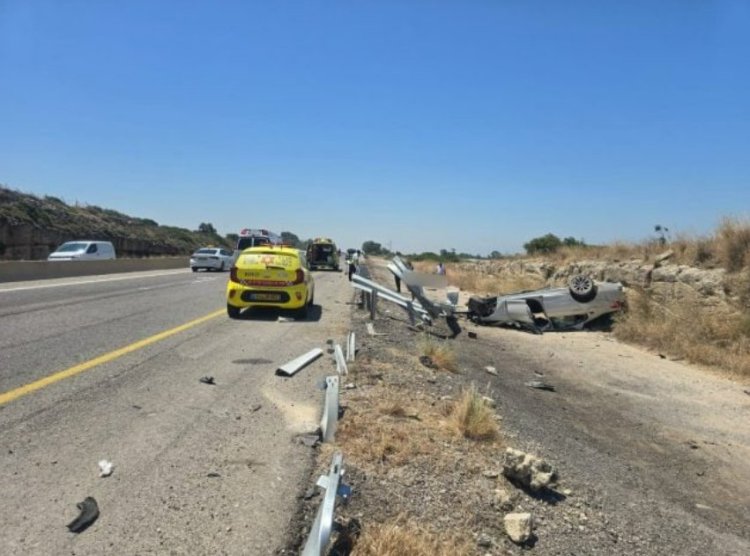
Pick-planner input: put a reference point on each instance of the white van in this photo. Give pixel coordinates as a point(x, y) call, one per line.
point(83, 251)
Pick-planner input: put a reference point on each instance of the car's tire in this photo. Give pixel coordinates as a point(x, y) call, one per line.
point(233, 312)
point(582, 288)
point(194, 269)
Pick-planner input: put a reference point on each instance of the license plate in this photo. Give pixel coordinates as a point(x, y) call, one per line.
point(266, 297)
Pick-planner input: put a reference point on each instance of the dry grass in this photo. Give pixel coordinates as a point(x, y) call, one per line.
point(473, 418)
point(407, 538)
point(441, 353)
point(680, 329)
point(390, 432)
point(480, 281)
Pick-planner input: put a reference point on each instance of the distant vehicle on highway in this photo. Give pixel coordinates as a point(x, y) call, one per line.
point(254, 237)
point(322, 253)
point(270, 276)
point(211, 258)
point(83, 250)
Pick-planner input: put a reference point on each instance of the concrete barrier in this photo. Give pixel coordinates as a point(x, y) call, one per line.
point(18, 271)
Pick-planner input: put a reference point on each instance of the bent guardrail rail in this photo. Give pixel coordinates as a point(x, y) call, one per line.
point(320, 532)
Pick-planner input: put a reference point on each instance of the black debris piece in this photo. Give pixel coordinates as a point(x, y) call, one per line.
point(89, 511)
point(427, 361)
point(208, 380)
point(472, 335)
point(539, 385)
point(256, 407)
point(213, 475)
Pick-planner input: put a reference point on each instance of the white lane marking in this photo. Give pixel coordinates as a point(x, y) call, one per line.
point(84, 282)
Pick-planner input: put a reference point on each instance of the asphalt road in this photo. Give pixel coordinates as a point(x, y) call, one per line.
point(108, 368)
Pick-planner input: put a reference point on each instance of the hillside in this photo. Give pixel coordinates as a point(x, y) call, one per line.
point(31, 227)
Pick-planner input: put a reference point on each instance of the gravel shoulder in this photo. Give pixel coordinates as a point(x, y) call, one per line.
point(652, 454)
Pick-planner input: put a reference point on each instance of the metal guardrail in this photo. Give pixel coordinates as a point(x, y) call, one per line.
point(338, 354)
point(351, 347)
point(320, 533)
point(291, 367)
point(330, 418)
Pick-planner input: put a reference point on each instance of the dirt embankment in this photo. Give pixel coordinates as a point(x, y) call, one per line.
point(31, 227)
point(649, 454)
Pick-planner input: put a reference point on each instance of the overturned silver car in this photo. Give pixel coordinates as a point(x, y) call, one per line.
point(563, 308)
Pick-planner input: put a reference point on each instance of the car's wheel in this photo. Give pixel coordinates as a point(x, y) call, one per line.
point(194, 269)
point(233, 312)
point(582, 288)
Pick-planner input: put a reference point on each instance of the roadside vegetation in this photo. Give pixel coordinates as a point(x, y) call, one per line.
point(715, 333)
point(403, 429)
point(31, 227)
point(401, 536)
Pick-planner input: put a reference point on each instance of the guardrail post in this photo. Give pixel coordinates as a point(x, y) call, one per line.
point(338, 355)
point(320, 533)
point(351, 351)
point(373, 303)
point(329, 421)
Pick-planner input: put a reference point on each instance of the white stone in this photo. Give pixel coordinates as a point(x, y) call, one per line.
point(518, 527)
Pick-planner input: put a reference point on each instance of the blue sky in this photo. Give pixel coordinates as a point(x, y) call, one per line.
point(474, 125)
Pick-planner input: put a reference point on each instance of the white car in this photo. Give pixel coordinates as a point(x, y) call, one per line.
point(211, 258)
point(574, 307)
point(83, 250)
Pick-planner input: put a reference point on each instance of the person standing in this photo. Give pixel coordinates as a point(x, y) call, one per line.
point(353, 263)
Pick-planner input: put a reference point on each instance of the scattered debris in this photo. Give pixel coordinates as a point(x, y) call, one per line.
point(662, 356)
point(427, 361)
point(208, 380)
point(472, 335)
point(489, 402)
point(491, 473)
point(256, 407)
point(310, 440)
point(350, 386)
point(747, 392)
point(213, 475)
point(105, 468)
point(518, 527)
point(692, 444)
point(288, 369)
point(503, 500)
point(484, 541)
point(136, 406)
point(284, 319)
point(527, 470)
point(89, 511)
point(310, 493)
point(490, 369)
point(539, 385)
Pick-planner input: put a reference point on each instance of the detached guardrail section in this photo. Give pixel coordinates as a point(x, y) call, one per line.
point(320, 533)
point(420, 305)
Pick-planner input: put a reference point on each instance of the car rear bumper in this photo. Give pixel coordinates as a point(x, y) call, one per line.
point(292, 297)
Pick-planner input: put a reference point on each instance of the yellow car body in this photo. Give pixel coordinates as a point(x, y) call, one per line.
point(270, 276)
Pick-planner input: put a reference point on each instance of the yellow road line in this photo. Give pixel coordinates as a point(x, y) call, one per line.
point(16, 393)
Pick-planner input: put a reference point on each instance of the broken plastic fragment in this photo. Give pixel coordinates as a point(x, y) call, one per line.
point(539, 385)
point(207, 380)
point(89, 512)
point(105, 468)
